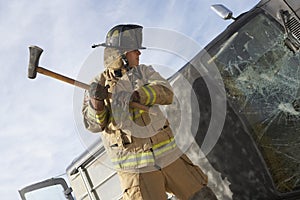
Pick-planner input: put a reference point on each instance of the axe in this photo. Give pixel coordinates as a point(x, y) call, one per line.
point(34, 68)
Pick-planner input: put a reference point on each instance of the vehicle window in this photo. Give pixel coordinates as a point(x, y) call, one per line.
point(262, 80)
point(55, 192)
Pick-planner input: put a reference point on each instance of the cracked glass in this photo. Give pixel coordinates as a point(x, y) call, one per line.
point(262, 80)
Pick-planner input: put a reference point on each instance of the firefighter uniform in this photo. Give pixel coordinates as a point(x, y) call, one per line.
point(141, 144)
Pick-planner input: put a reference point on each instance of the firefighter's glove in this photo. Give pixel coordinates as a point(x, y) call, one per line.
point(98, 91)
point(97, 105)
point(135, 97)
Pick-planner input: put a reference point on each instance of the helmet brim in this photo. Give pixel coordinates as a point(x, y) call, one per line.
point(116, 47)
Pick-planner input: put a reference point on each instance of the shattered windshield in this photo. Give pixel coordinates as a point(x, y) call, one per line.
point(262, 80)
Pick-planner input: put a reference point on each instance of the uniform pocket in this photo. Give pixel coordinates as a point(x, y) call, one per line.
point(132, 193)
point(126, 139)
point(130, 183)
point(122, 140)
point(164, 134)
point(195, 170)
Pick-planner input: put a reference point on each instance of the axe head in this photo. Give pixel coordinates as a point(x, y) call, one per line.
point(34, 57)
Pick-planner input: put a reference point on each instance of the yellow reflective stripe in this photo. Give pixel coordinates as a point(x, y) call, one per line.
point(135, 160)
point(100, 118)
point(139, 155)
point(164, 146)
point(168, 148)
point(136, 113)
point(133, 164)
point(101, 114)
point(153, 94)
point(150, 93)
point(163, 143)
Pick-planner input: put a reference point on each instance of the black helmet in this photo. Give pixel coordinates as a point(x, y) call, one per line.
point(125, 37)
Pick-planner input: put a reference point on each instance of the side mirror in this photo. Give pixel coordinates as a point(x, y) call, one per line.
point(222, 11)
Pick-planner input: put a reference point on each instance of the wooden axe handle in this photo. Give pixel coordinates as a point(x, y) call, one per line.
point(85, 86)
point(63, 78)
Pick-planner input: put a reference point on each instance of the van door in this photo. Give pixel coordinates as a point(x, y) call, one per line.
point(51, 189)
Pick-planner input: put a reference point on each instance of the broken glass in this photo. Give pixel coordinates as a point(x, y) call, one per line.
point(262, 80)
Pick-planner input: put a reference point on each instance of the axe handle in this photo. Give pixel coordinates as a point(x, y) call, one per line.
point(85, 86)
point(63, 78)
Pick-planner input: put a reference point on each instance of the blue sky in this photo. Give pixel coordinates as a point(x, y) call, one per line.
point(39, 134)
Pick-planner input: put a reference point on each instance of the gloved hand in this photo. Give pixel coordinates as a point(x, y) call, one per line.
point(135, 97)
point(98, 91)
point(97, 105)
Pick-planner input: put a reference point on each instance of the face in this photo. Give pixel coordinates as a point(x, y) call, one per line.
point(133, 58)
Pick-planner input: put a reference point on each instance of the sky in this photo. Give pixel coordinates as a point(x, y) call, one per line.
point(40, 130)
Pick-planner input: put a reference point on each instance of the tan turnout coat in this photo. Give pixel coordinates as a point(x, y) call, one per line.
point(133, 138)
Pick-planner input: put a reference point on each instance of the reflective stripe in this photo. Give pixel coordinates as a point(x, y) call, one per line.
point(133, 160)
point(156, 146)
point(100, 118)
point(136, 160)
point(151, 95)
point(136, 113)
point(163, 147)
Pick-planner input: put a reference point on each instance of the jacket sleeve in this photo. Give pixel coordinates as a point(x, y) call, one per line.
point(157, 90)
point(94, 121)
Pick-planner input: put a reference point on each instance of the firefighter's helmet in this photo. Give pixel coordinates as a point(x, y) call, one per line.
point(124, 37)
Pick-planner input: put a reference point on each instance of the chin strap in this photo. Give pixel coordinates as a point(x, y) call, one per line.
point(118, 72)
point(125, 62)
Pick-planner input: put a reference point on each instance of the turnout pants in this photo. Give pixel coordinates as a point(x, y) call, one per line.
point(182, 178)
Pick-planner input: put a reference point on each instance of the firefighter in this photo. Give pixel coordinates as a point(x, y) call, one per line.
point(139, 141)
